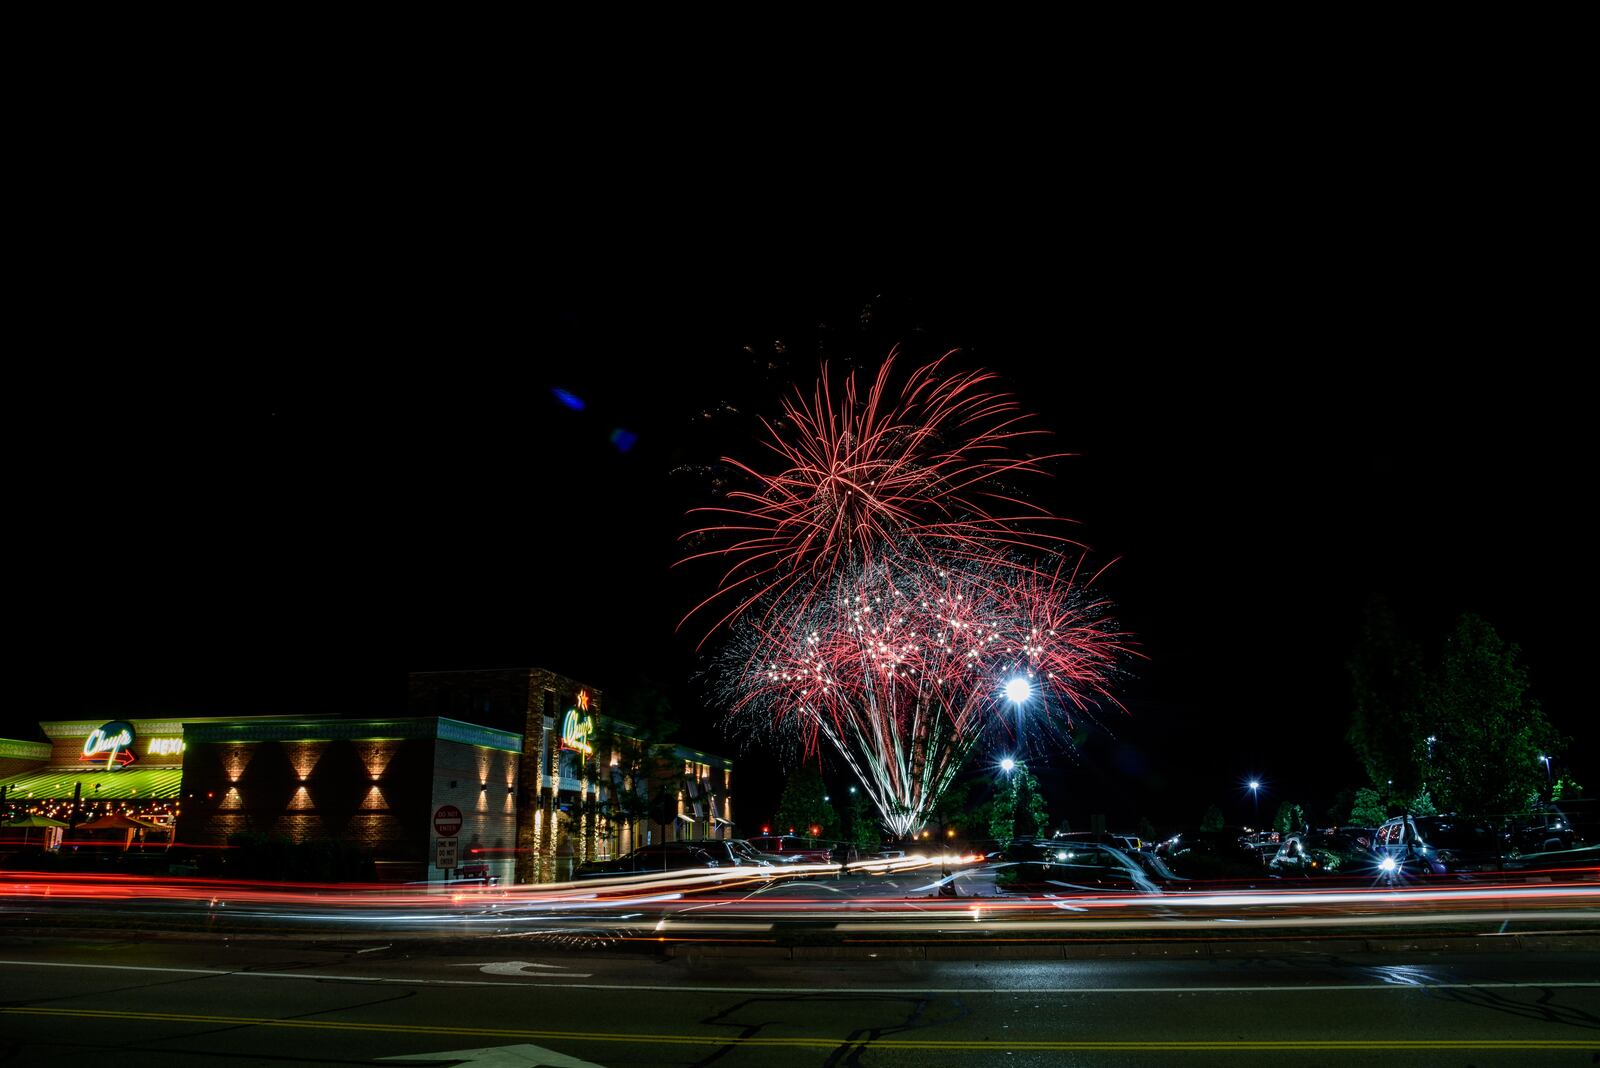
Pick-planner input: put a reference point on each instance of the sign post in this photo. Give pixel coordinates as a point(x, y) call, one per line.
point(447, 822)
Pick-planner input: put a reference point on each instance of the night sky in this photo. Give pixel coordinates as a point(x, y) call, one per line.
point(285, 502)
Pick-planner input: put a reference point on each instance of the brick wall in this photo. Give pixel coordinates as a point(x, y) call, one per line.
point(311, 790)
point(379, 794)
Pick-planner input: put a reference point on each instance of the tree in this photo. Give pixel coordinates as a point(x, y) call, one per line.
point(1386, 711)
point(1487, 735)
point(1422, 804)
point(954, 811)
point(1290, 818)
point(802, 806)
point(1212, 820)
point(644, 759)
point(1018, 811)
point(864, 831)
point(1368, 810)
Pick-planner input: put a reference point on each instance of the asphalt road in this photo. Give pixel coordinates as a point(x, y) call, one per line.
point(181, 1003)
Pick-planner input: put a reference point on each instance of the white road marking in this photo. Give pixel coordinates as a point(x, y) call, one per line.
point(680, 988)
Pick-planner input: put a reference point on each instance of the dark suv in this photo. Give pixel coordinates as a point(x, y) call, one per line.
point(1543, 830)
point(1420, 845)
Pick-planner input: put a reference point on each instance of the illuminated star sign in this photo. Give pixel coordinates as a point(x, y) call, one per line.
point(583, 700)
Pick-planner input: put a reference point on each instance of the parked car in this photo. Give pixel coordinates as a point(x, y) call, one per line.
point(1082, 865)
point(1437, 845)
point(793, 849)
point(1120, 839)
point(663, 856)
point(1325, 852)
point(1205, 855)
point(736, 853)
point(1542, 830)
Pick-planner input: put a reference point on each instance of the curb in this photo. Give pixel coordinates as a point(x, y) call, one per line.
point(1144, 951)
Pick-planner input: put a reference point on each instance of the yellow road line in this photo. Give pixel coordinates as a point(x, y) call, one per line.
point(959, 1045)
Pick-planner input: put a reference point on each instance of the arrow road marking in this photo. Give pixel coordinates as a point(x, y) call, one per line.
point(520, 967)
point(523, 1055)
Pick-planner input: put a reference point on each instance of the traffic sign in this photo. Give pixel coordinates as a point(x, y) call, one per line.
point(445, 853)
point(447, 821)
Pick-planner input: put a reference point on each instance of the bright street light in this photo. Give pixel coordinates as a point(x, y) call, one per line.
point(1007, 764)
point(1018, 691)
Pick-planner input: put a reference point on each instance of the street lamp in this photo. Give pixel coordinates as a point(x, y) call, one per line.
point(1007, 765)
point(1545, 760)
point(1255, 799)
point(1018, 690)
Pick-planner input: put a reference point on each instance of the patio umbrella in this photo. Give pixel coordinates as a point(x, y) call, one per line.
point(116, 821)
point(28, 823)
point(35, 821)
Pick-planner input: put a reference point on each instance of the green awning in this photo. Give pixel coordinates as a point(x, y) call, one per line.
point(54, 784)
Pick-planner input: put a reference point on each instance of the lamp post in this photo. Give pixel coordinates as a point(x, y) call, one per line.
point(1255, 800)
point(1018, 690)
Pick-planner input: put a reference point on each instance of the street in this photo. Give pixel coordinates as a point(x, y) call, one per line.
point(512, 1002)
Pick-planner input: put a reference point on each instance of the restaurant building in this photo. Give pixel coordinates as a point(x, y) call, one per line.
point(592, 786)
point(121, 776)
point(509, 774)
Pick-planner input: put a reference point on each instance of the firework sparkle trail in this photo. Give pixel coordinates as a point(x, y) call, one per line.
point(880, 603)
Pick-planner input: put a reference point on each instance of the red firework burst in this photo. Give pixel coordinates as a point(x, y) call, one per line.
point(863, 476)
point(903, 668)
point(887, 586)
